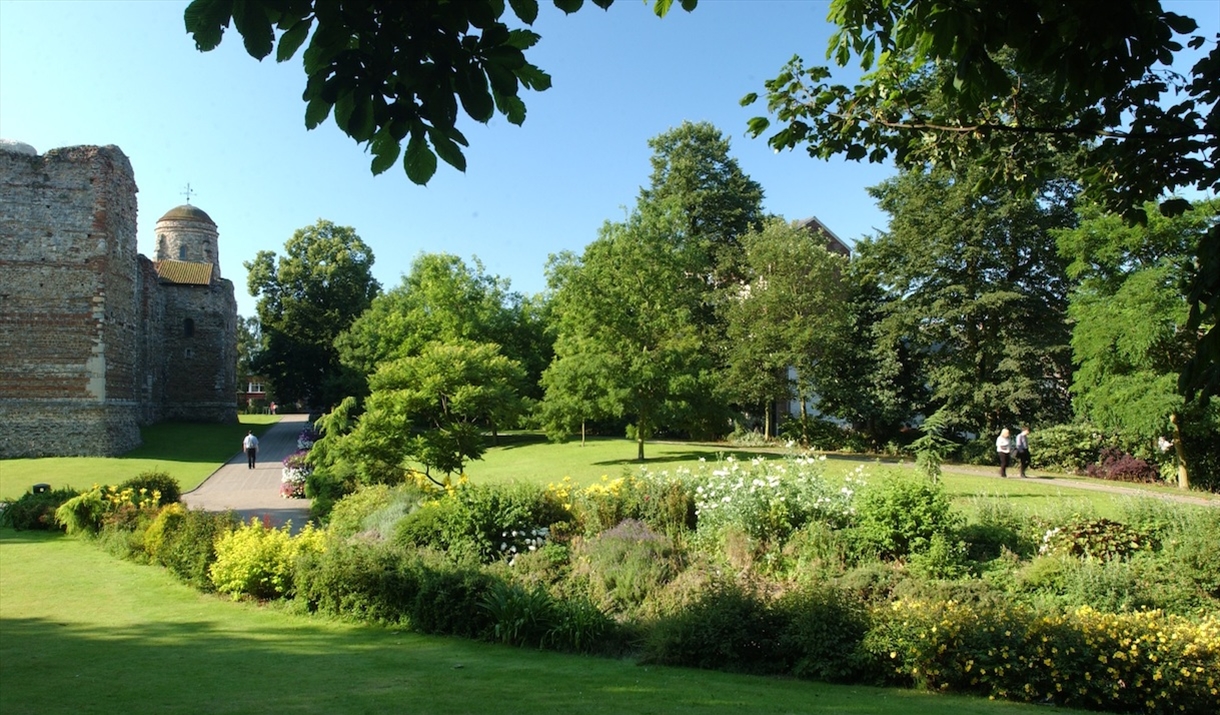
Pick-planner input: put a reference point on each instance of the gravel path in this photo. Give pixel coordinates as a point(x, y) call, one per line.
point(256, 492)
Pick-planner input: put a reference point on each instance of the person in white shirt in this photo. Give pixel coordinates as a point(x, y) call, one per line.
point(250, 444)
point(1003, 448)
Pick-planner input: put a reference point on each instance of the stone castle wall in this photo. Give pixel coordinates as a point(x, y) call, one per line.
point(88, 348)
point(68, 302)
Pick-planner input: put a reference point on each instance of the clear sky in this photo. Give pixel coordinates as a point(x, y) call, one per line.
point(126, 73)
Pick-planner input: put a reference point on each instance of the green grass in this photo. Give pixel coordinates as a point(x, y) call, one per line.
point(188, 452)
point(529, 458)
point(81, 632)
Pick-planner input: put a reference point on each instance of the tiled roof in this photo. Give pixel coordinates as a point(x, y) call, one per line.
point(185, 272)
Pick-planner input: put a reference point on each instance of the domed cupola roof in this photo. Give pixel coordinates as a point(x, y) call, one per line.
point(186, 212)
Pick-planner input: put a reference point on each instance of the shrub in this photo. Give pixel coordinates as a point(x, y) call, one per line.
point(374, 510)
point(813, 552)
point(447, 599)
point(481, 522)
point(257, 561)
point(726, 628)
point(1191, 549)
point(155, 481)
point(767, 499)
point(625, 565)
point(361, 581)
point(581, 627)
point(814, 433)
point(943, 557)
point(987, 542)
point(1144, 661)
point(36, 512)
point(900, 515)
point(1094, 538)
point(381, 583)
point(823, 631)
point(86, 513)
point(1067, 448)
point(184, 541)
point(665, 504)
point(1116, 465)
point(519, 615)
point(82, 514)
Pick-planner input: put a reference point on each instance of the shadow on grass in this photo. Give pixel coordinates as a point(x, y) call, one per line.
point(688, 456)
point(52, 666)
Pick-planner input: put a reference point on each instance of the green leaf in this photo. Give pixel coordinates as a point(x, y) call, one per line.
point(526, 10)
point(447, 150)
point(206, 21)
point(385, 152)
point(316, 112)
point(569, 6)
point(534, 78)
point(471, 85)
point(749, 99)
point(512, 108)
point(292, 40)
point(250, 19)
point(419, 162)
point(757, 125)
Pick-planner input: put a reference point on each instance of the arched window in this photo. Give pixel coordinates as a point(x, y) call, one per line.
point(188, 328)
point(182, 253)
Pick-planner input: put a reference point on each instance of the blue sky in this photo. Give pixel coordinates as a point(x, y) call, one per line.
point(126, 73)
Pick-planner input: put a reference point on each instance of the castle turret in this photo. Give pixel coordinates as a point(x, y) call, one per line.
point(187, 233)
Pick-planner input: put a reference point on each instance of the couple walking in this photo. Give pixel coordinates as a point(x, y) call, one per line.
point(1004, 447)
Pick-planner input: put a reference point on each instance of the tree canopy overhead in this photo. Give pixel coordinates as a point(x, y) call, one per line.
point(958, 84)
point(396, 72)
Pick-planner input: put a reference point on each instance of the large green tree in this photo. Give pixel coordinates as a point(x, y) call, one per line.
point(956, 84)
point(1131, 337)
point(790, 312)
point(307, 297)
point(719, 203)
point(430, 412)
point(979, 290)
point(626, 306)
point(396, 72)
point(443, 299)
point(872, 379)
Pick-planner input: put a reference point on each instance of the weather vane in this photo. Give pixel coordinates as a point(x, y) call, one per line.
point(187, 193)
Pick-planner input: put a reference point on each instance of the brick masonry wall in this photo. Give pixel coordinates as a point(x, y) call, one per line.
point(68, 309)
point(87, 345)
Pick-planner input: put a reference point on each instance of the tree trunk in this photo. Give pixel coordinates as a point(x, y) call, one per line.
point(1180, 452)
point(639, 441)
point(582, 433)
point(767, 408)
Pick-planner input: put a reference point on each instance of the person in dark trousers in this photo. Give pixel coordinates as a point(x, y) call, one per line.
point(1003, 449)
point(250, 444)
point(1022, 447)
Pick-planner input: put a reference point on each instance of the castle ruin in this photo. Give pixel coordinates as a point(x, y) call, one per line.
point(97, 340)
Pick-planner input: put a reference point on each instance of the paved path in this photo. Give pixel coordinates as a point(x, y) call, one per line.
point(256, 492)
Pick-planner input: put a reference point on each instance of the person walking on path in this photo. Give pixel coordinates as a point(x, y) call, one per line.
point(1003, 448)
point(250, 444)
point(1022, 447)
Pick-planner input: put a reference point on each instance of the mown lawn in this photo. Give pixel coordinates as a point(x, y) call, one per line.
point(82, 632)
point(530, 458)
point(188, 452)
